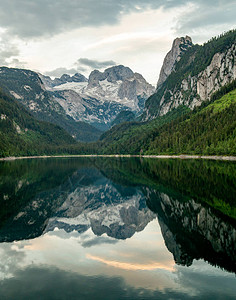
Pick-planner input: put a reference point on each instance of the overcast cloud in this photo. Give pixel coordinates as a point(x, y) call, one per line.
point(33, 18)
point(95, 64)
point(208, 14)
point(9, 52)
point(50, 35)
point(59, 71)
point(81, 65)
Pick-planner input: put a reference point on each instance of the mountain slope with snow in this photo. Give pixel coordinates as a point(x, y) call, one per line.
point(28, 89)
point(100, 99)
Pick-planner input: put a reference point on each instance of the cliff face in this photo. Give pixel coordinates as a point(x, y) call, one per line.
point(179, 46)
point(192, 231)
point(190, 76)
point(196, 89)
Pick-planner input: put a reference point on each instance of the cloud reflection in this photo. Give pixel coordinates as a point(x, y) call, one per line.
point(131, 266)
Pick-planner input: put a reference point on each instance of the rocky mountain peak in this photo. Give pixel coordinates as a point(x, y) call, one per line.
point(79, 78)
point(94, 78)
point(65, 78)
point(179, 46)
point(116, 73)
point(112, 74)
point(75, 78)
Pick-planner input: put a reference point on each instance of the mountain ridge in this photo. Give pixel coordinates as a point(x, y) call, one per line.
point(28, 89)
point(200, 71)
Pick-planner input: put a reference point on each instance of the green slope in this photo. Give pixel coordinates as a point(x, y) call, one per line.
point(210, 129)
point(123, 116)
point(222, 103)
point(131, 138)
point(22, 134)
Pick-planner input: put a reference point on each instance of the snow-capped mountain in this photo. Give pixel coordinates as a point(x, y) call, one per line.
point(99, 99)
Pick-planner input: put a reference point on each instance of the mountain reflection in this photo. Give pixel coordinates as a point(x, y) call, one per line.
point(192, 200)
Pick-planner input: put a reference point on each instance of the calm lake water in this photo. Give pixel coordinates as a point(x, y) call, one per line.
point(117, 229)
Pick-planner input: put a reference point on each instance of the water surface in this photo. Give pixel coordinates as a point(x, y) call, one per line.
point(117, 228)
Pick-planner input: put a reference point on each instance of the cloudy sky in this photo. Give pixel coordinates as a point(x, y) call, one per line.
point(61, 36)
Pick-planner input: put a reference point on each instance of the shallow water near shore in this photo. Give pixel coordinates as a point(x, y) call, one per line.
point(117, 228)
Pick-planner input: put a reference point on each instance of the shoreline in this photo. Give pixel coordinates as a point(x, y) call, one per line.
point(213, 157)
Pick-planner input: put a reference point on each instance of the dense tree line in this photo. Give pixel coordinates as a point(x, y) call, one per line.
point(22, 134)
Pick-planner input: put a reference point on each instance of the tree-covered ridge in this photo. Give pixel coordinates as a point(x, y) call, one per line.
point(210, 129)
point(193, 62)
point(123, 116)
point(133, 137)
point(22, 134)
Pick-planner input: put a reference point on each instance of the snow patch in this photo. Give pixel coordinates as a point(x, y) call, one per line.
point(27, 88)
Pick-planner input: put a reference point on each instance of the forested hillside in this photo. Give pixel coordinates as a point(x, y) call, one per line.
point(209, 129)
point(22, 134)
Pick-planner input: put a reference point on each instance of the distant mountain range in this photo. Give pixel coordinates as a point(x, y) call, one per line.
point(76, 103)
point(98, 99)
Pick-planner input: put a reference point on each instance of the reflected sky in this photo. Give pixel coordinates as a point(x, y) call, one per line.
point(139, 267)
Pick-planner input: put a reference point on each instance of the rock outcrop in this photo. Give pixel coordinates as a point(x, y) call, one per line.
point(179, 46)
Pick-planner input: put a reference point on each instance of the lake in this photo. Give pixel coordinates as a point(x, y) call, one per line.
point(117, 228)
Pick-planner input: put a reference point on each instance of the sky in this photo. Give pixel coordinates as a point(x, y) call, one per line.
point(60, 36)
